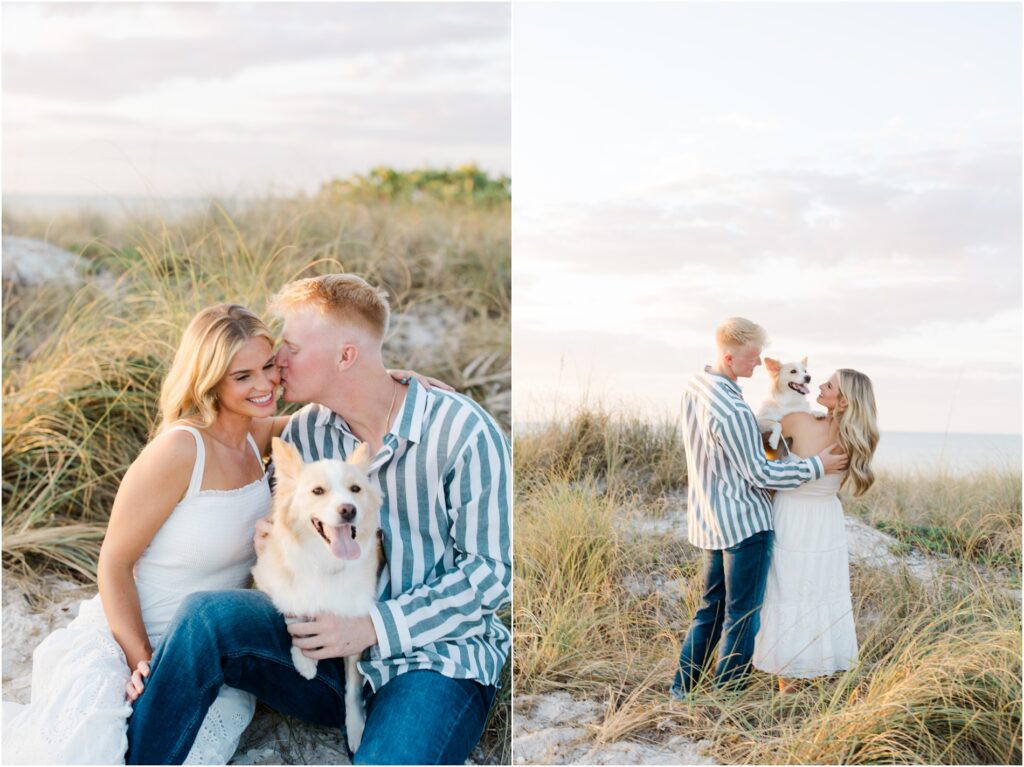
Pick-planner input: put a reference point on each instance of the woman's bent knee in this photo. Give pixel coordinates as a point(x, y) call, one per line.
point(221, 613)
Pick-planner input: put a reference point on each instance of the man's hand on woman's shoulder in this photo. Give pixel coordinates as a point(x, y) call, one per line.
point(428, 382)
point(834, 462)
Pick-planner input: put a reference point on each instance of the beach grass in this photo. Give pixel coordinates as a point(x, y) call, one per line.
point(975, 518)
point(605, 590)
point(623, 455)
point(82, 365)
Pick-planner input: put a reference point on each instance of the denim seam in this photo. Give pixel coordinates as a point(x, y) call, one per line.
point(179, 758)
point(451, 728)
point(748, 616)
point(742, 639)
point(277, 660)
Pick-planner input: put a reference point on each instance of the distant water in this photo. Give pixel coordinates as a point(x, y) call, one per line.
point(114, 206)
point(953, 453)
point(902, 451)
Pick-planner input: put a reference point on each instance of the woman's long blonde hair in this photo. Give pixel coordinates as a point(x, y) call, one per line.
point(858, 428)
point(211, 340)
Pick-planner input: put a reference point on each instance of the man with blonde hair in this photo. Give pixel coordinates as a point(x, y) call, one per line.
point(436, 645)
point(729, 513)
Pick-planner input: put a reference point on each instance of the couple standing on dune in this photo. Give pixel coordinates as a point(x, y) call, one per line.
point(776, 591)
point(164, 666)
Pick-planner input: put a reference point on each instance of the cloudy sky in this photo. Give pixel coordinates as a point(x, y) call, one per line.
point(191, 99)
point(848, 176)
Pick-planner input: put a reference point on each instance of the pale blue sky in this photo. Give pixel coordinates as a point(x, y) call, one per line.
point(847, 175)
point(191, 99)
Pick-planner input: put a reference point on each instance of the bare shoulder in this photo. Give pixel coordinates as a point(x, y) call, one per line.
point(798, 419)
point(155, 482)
point(171, 453)
point(794, 424)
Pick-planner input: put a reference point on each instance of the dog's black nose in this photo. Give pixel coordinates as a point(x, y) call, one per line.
point(807, 379)
point(347, 511)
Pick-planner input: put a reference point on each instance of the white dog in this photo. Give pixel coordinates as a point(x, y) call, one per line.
point(323, 553)
point(789, 395)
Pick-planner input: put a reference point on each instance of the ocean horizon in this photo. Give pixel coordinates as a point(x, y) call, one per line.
point(116, 205)
point(926, 452)
point(946, 452)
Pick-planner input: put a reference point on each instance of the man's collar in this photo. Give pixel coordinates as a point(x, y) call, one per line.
point(325, 415)
point(722, 379)
point(408, 422)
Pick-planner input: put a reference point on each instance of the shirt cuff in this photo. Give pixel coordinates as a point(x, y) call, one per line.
point(817, 467)
point(393, 637)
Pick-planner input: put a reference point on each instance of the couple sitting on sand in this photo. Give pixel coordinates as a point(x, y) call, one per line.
point(175, 631)
point(776, 589)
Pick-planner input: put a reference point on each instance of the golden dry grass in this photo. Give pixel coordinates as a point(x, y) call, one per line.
point(940, 667)
point(976, 518)
point(82, 367)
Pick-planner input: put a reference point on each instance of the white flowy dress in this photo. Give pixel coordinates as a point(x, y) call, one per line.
point(78, 712)
point(807, 625)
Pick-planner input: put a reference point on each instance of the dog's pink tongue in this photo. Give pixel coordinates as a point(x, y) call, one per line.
point(343, 545)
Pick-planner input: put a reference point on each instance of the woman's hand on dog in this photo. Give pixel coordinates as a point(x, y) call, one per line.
point(333, 636)
point(135, 686)
point(259, 538)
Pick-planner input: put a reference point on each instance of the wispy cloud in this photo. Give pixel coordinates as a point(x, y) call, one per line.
point(125, 48)
point(846, 174)
point(906, 245)
point(349, 84)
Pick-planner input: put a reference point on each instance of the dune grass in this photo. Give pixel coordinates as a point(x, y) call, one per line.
point(975, 518)
point(623, 455)
point(940, 662)
point(82, 366)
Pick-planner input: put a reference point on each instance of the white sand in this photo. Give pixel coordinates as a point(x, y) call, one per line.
point(553, 729)
point(671, 522)
point(867, 546)
point(871, 547)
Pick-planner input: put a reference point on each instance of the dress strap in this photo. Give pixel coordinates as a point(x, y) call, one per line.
point(197, 470)
point(255, 448)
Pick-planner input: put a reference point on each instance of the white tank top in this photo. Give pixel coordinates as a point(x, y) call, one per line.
point(204, 545)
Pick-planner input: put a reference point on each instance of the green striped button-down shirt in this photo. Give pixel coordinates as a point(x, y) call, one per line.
point(728, 474)
point(445, 474)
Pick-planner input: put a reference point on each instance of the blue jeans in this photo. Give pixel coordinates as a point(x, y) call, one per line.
point(239, 638)
point(730, 611)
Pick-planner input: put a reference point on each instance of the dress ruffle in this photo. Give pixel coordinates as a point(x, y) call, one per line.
point(807, 627)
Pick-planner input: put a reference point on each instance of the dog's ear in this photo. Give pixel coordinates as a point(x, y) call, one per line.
point(361, 458)
point(804, 362)
point(287, 461)
point(772, 365)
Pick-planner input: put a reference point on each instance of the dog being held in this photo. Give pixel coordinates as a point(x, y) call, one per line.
point(323, 553)
point(789, 395)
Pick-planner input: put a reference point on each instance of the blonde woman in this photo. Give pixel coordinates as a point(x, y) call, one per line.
point(807, 617)
point(182, 522)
